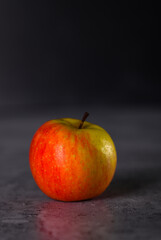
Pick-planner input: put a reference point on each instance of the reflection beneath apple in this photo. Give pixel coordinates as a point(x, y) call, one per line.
point(74, 220)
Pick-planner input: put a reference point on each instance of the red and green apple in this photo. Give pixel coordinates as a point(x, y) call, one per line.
point(72, 160)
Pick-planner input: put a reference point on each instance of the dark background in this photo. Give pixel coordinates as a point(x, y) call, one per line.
point(79, 52)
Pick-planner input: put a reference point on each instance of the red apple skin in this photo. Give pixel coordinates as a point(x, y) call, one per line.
point(71, 164)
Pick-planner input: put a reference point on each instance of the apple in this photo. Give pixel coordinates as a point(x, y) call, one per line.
point(72, 160)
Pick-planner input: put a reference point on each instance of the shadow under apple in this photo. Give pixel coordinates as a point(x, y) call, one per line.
point(132, 183)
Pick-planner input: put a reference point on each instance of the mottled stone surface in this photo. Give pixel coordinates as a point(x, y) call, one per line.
point(129, 209)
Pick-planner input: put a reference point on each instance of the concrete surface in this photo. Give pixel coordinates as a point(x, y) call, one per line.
point(129, 209)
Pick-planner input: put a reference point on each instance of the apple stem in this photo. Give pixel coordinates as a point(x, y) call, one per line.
point(86, 114)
